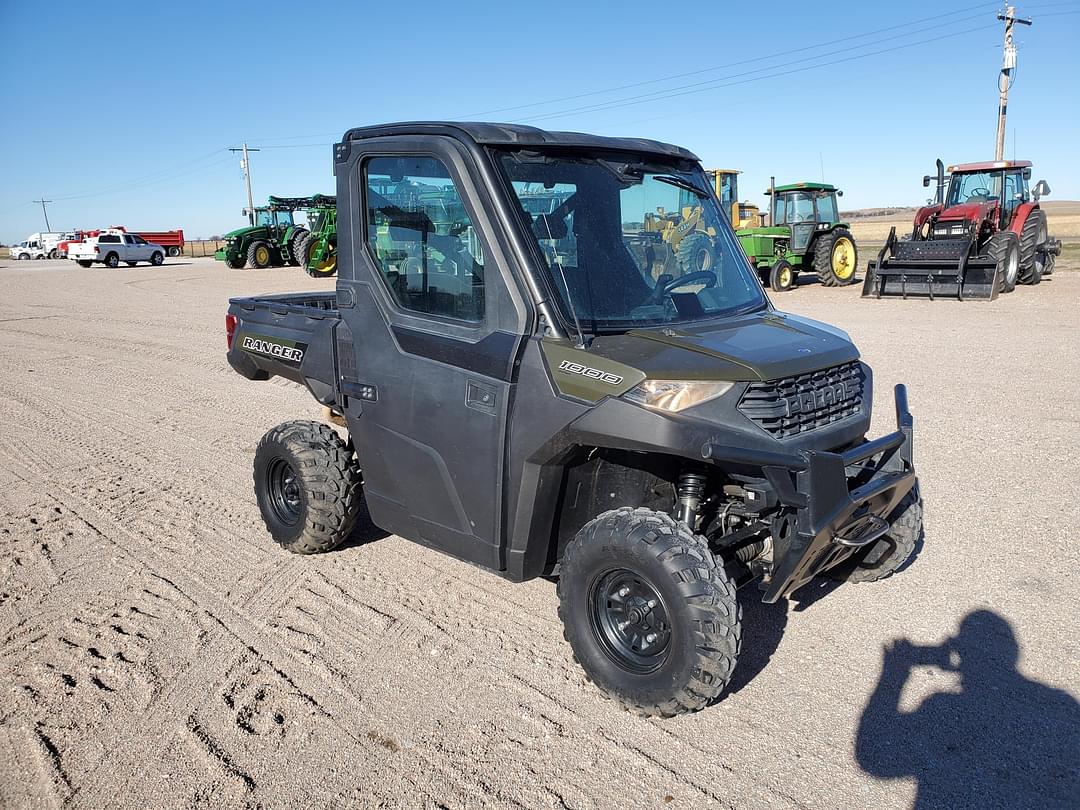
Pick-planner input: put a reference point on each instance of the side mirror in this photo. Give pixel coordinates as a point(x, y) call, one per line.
point(1027, 173)
point(926, 181)
point(243, 212)
point(839, 193)
point(1041, 190)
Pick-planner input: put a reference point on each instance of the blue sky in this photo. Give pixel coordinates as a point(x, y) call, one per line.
point(122, 112)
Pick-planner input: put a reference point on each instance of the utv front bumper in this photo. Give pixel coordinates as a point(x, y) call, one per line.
point(837, 502)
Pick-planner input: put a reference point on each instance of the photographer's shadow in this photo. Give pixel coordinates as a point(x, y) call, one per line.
point(1002, 741)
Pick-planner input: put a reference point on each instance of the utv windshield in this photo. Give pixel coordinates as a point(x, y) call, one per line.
point(628, 242)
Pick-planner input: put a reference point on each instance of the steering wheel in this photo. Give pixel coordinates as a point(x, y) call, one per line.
point(979, 192)
point(665, 287)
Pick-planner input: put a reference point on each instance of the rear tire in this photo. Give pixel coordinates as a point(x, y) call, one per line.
point(885, 557)
point(649, 612)
point(112, 260)
point(54, 254)
point(836, 257)
point(1004, 248)
point(1032, 235)
point(297, 241)
point(259, 254)
point(782, 276)
point(157, 259)
point(173, 251)
point(308, 485)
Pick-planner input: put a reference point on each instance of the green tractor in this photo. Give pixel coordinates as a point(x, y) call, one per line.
point(317, 251)
point(804, 232)
point(273, 240)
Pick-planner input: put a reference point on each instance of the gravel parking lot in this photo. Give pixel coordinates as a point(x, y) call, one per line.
point(157, 649)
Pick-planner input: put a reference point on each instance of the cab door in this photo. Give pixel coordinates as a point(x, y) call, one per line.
point(432, 327)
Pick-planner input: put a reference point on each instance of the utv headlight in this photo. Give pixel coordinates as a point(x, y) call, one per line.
point(675, 395)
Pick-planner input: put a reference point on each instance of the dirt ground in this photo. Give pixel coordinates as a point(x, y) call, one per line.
point(156, 648)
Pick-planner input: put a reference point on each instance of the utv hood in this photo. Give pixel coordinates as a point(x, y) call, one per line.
point(759, 346)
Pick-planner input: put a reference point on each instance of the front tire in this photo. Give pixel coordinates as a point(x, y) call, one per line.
point(1004, 248)
point(235, 262)
point(782, 276)
point(696, 253)
point(258, 254)
point(649, 612)
point(308, 485)
point(885, 557)
point(836, 257)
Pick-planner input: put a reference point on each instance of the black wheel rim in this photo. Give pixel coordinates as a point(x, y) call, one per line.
point(630, 620)
point(284, 489)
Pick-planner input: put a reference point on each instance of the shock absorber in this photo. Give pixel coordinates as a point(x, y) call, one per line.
point(690, 490)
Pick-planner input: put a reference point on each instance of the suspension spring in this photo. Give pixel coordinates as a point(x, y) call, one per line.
point(690, 490)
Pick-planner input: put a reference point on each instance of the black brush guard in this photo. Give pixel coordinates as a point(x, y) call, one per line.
point(839, 502)
point(931, 268)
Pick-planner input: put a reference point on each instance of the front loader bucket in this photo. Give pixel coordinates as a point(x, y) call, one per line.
point(935, 268)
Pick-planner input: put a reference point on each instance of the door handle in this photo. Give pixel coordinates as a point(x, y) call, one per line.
point(480, 397)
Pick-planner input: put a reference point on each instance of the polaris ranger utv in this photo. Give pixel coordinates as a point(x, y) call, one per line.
point(531, 383)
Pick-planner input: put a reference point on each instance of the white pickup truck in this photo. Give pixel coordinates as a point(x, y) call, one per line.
point(112, 248)
point(28, 249)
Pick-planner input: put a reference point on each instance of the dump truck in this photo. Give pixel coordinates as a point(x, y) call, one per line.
point(804, 233)
point(981, 235)
point(519, 392)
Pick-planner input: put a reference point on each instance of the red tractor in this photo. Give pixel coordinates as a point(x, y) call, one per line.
point(979, 238)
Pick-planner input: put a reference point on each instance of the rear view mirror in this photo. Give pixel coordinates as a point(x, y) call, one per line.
point(1041, 190)
point(926, 180)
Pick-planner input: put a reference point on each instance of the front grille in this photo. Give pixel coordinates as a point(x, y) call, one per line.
point(794, 405)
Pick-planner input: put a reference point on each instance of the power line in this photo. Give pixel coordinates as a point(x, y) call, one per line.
point(714, 68)
point(700, 87)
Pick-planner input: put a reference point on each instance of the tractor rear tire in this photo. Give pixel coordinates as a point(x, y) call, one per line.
point(296, 258)
point(640, 569)
point(259, 254)
point(1032, 235)
point(836, 257)
point(696, 253)
point(782, 276)
point(1004, 248)
point(308, 485)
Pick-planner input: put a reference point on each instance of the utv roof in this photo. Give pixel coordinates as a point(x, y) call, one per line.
point(519, 136)
point(989, 165)
point(805, 187)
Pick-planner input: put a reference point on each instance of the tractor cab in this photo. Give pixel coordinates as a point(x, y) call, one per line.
point(804, 208)
point(273, 218)
point(975, 186)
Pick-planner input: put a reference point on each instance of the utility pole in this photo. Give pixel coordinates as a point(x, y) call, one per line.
point(43, 211)
point(1008, 65)
point(245, 164)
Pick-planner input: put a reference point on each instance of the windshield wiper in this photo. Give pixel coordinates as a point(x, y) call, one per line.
point(673, 180)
